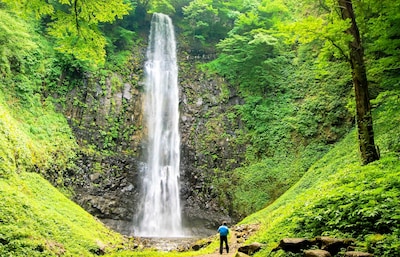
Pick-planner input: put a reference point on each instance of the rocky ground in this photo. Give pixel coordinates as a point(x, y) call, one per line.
point(316, 247)
point(238, 235)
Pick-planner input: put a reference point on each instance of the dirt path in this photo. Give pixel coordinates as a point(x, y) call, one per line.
point(233, 246)
point(236, 239)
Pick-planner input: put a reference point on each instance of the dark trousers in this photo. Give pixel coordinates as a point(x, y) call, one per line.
point(223, 239)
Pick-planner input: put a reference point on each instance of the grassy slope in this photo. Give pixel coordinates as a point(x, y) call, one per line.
point(339, 197)
point(35, 218)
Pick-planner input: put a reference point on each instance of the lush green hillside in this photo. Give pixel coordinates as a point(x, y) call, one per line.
point(37, 220)
point(339, 197)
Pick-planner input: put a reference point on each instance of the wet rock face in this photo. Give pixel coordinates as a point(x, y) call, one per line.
point(206, 144)
point(111, 192)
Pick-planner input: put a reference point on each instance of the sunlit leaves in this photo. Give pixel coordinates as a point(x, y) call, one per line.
point(85, 42)
point(201, 15)
point(261, 36)
point(312, 29)
point(15, 44)
point(26, 7)
point(378, 21)
point(74, 24)
point(380, 24)
point(162, 6)
point(245, 22)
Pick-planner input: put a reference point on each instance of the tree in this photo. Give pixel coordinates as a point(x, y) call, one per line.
point(363, 107)
point(208, 21)
point(74, 23)
point(382, 50)
point(250, 55)
point(332, 19)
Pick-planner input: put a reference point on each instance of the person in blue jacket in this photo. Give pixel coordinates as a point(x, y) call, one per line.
point(223, 231)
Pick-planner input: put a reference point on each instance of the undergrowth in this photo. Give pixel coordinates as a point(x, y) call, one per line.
point(341, 198)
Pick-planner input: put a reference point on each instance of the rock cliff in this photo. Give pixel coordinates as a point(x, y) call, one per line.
point(106, 117)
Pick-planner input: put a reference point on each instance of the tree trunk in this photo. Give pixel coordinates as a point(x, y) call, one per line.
point(364, 116)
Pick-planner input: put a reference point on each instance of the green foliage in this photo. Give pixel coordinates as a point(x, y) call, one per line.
point(37, 220)
point(20, 55)
point(85, 41)
point(383, 245)
point(198, 11)
point(28, 139)
point(326, 26)
point(318, 28)
point(358, 206)
point(339, 197)
point(250, 61)
point(162, 6)
point(382, 48)
point(295, 104)
point(119, 45)
point(250, 54)
point(208, 21)
point(287, 58)
point(29, 64)
point(260, 184)
point(28, 121)
point(74, 25)
point(257, 185)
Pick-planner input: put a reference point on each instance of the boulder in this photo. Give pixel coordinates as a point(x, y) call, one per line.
point(294, 245)
point(251, 248)
point(317, 253)
point(333, 245)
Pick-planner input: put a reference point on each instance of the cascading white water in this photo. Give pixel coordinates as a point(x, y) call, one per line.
point(160, 212)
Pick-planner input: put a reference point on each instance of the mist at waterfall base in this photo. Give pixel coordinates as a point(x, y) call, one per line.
point(159, 212)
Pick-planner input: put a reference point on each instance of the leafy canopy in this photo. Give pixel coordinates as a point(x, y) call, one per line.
point(74, 24)
point(208, 21)
point(250, 54)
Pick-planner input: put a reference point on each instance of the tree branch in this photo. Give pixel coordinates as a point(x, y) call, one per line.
point(339, 48)
point(76, 15)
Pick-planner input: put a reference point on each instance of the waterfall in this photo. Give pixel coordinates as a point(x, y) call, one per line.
point(160, 211)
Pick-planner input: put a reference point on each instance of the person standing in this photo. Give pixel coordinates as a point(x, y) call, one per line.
point(223, 231)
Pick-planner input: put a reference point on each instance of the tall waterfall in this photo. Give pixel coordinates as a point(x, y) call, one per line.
point(160, 212)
